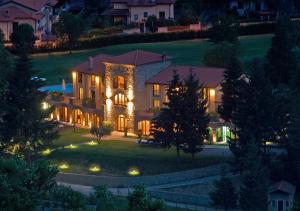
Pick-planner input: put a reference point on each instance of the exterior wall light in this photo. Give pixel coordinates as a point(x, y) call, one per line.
point(71, 146)
point(95, 168)
point(46, 152)
point(64, 166)
point(133, 171)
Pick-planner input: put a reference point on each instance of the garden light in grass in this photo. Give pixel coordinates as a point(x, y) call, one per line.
point(133, 171)
point(46, 152)
point(92, 143)
point(71, 146)
point(95, 169)
point(63, 166)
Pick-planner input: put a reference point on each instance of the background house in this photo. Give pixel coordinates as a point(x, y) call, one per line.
point(137, 11)
point(250, 8)
point(281, 196)
point(39, 14)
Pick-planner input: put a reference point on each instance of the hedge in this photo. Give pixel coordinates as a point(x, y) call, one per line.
point(261, 28)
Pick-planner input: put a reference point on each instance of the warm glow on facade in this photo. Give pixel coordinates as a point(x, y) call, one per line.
point(130, 93)
point(130, 108)
point(212, 92)
point(108, 92)
point(109, 104)
point(74, 74)
point(97, 80)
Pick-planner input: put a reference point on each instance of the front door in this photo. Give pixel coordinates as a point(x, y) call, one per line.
point(280, 205)
point(121, 123)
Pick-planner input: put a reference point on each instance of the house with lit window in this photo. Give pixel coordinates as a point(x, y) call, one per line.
point(128, 90)
point(37, 13)
point(137, 11)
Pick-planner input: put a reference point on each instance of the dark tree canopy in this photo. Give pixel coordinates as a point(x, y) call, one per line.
point(224, 29)
point(23, 186)
point(281, 60)
point(224, 196)
point(23, 39)
point(69, 28)
point(152, 23)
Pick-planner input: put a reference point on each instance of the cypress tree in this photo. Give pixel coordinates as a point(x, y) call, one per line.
point(194, 118)
point(168, 120)
point(255, 114)
point(224, 196)
point(254, 184)
point(281, 60)
point(230, 88)
point(292, 144)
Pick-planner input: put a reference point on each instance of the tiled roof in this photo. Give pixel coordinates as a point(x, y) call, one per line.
point(116, 12)
point(208, 76)
point(144, 2)
point(138, 58)
point(284, 187)
point(135, 58)
point(13, 13)
point(33, 4)
point(98, 65)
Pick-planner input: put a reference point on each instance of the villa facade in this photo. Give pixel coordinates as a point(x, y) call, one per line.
point(128, 90)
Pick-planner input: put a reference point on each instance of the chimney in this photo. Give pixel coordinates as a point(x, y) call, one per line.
point(91, 66)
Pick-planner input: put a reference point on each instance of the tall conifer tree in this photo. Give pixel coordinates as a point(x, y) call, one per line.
point(194, 118)
point(27, 122)
point(168, 121)
point(254, 184)
point(281, 64)
point(231, 88)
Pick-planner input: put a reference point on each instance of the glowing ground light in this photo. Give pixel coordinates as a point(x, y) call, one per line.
point(63, 166)
point(92, 143)
point(71, 146)
point(46, 152)
point(134, 172)
point(95, 169)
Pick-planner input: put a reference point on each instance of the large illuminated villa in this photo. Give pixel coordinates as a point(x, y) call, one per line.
point(129, 89)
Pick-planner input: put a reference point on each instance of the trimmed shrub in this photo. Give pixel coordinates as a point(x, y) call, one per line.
point(103, 41)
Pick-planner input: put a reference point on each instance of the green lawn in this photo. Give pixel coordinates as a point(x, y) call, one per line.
point(57, 66)
point(116, 157)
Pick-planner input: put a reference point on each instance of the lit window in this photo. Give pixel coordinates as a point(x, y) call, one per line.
point(93, 80)
point(119, 82)
point(120, 99)
point(80, 93)
point(156, 90)
point(80, 78)
point(136, 17)
point(144, 126)
point(156, 104)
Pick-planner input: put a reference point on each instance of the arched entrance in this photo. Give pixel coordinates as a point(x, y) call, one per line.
point(121, 123)
point(223, 134)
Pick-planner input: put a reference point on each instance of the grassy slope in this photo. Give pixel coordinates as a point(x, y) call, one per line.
point(57, 67)
point(116, 157)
